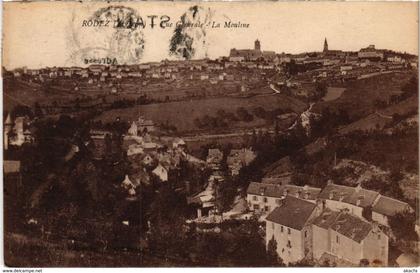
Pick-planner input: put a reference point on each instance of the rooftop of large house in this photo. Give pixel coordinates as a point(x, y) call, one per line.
point(277, 190)
point(389, 206)
point(344, 223)
point(351, 195)
point(363, 198)
point(293, 213)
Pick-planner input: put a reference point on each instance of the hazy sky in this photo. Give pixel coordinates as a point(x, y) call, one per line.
point(51, 33)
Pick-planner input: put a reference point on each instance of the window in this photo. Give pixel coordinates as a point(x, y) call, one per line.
point(265, 199)
point(281, 229)
point(289, 244)
point(337, 239)
point(289, 231)
point(379, 236)
point(254, 198)
point(306, 233)
point(256, 207)
point(272, 226)
point(266, 208)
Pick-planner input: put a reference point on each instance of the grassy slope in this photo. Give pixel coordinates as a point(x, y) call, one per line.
point(360, 96)
point(358, 99)
point(384, 117)
point(182, 114)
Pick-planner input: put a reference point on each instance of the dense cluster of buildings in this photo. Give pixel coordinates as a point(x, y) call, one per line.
point(205, 201)
point(338, 223)
point(245, 68)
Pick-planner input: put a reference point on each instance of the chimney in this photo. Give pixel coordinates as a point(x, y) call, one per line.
point(375, 226)
point(332, 193)
point(359, 200)
point(262, 191)
point(281, 202)
point(319, 204)
point(187, 187)
point(329, 182)
point(285, 192)
point(341, 196)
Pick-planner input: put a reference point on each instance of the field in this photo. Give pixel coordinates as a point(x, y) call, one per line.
point(181, 114)
point(360, 97)
point(382, 118)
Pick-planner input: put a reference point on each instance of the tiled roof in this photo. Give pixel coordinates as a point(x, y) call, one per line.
point(304, 192)
point(293, 213)
point(270, 190)
point(366, 197)
point(381, 204)
point(352, 227)
point(326, 219)
point(344, 223)
point(389, 206)
point(336, 192)
point(276, 190)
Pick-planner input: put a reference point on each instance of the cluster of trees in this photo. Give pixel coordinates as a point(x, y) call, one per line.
point(223, 119)
point(403, 226)
point(328, 122)
point(407, 90)
point(238, 243)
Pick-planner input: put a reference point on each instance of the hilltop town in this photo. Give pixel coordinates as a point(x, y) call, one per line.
point(257, 158)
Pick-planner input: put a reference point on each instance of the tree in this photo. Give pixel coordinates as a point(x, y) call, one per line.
point(273, 258)
point(38, 110)
point(244, 115)
point(402, 225)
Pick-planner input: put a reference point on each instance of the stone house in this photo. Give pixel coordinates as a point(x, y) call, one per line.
point(265, 198)
point(289, 225)
point(349, 238)
point(362, 202)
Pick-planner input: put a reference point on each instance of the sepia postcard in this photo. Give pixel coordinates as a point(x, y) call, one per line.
point(210, 134)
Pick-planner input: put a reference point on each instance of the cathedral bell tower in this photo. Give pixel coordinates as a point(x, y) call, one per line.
point(257, 45)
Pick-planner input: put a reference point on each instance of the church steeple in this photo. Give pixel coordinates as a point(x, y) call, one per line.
point(325, 45)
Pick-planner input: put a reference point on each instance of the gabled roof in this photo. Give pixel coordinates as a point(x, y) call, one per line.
point(304, 192)
point(389, 206)
point(366, 197)
point(381, 204)
point(344, 223)
point(270, 190)
point(352, 227)
point(277, 190)
point(326, 219)
point(293, 213)
point(336, 192)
